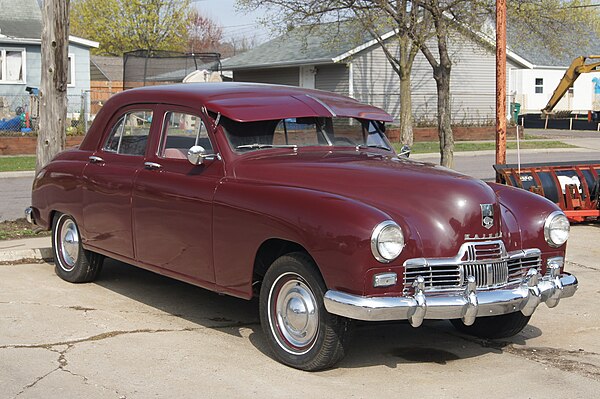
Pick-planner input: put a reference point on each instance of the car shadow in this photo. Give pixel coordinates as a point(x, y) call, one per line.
point(397, 343)
point(379, 343)
point(194, 304)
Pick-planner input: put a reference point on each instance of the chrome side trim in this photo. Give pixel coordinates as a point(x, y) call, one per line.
point(327, 107)
point(465, 305)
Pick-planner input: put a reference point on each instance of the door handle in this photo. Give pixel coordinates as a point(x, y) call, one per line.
point(152, 165)
point(95, 159)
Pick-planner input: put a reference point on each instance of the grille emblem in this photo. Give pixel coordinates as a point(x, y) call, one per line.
point(487, 215)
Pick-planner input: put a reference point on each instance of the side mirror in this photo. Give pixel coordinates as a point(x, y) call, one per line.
point(404, 151)
point(196, 155)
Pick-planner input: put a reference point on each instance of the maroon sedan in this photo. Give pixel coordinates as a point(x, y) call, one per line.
point(296, 196)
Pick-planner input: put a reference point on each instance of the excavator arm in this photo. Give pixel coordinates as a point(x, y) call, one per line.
point(577, 67)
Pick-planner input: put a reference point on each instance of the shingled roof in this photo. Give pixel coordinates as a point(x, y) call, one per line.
point(20, 19)
point(300, 46)
point(310, 46)
point(528, 45)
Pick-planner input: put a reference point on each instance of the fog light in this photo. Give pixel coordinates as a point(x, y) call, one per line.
point(384, 279)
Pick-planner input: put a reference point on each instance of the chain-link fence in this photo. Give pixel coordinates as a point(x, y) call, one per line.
point(19, 114)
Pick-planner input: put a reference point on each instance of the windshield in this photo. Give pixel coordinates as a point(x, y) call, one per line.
point(304, 132)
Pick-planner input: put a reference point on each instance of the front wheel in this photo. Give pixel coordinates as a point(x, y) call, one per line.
point(494, 327)
point(298, 329)
point(72, 262)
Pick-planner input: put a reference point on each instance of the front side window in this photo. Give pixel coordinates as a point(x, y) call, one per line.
point(12, 65)
point(129, 135)
point(180, 132)
point(304, 132)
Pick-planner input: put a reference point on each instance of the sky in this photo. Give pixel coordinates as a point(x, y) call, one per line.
point(234, 24)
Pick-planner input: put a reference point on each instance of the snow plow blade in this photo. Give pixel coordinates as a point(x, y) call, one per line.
point(573, 186)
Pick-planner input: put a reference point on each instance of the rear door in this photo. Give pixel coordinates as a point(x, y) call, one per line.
point(109, 177)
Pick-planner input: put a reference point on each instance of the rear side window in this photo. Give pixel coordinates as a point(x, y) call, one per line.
point(182, 131)
point(129, 135)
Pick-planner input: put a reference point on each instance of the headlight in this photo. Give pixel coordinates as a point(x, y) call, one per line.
point(387, 241)
point(556, 229)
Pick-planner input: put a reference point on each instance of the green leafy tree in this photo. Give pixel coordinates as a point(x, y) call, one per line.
point(126, 25)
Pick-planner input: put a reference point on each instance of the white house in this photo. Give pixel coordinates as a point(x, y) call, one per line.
point(533, 87)
point(306, 58)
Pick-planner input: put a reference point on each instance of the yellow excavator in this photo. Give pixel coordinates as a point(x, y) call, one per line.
point(577, 67)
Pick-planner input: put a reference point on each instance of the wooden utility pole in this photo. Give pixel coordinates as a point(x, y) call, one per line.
point(53, 90)
point(500, 82)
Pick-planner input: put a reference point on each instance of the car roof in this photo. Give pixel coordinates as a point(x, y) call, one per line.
point(247, 102)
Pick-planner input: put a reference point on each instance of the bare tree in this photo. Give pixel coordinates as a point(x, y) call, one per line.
point(205, 35)
point(53, 94)
point(377, 18)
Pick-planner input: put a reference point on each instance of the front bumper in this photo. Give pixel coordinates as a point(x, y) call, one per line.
point(466, 305)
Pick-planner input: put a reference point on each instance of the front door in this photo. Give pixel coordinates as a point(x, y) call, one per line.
point(172, 200)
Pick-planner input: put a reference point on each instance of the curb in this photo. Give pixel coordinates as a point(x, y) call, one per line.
point(493, 152)
point(22, 255)
point(22, 173)
point(26, 249)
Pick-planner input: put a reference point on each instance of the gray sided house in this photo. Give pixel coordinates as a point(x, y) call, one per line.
point(20, 57)
point(360, 69)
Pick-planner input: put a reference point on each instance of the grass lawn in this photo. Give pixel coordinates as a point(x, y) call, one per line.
point(434, 146)
point(16, 163)
point(27, 162)
point(20, 228)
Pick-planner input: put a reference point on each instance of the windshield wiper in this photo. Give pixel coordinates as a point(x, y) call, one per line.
point(363, 146)
point(258, 146)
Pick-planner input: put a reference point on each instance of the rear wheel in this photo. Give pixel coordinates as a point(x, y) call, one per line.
point(298, 329)
point(72, 262)
point(494, 327)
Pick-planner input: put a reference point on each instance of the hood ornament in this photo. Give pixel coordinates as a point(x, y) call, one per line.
point(487, 215)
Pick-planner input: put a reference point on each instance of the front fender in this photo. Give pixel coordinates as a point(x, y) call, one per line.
point(528, 212)
point(335, 230)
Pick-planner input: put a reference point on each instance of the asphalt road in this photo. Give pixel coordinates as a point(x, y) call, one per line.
point(15, 196)
point(479, 164)
point(134, 334)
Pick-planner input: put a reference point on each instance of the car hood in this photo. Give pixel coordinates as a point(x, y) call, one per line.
point(437, 207)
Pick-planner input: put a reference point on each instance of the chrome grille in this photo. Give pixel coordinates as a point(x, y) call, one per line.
point(517, 267)
point(436, 277)
point(484, 251)
point(488, 262)
point(487, 275)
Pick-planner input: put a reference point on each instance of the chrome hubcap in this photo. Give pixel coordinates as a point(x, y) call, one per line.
point(295, 312)
point(69, 245)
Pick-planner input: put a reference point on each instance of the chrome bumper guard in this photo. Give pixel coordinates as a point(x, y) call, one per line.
point(29, 215)
point(466, 305)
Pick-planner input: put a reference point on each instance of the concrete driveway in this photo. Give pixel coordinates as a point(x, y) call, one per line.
point(134, 334)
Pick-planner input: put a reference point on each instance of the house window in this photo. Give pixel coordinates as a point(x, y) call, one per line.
point(539, 85)
point(71, 70)
point(12, 65)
